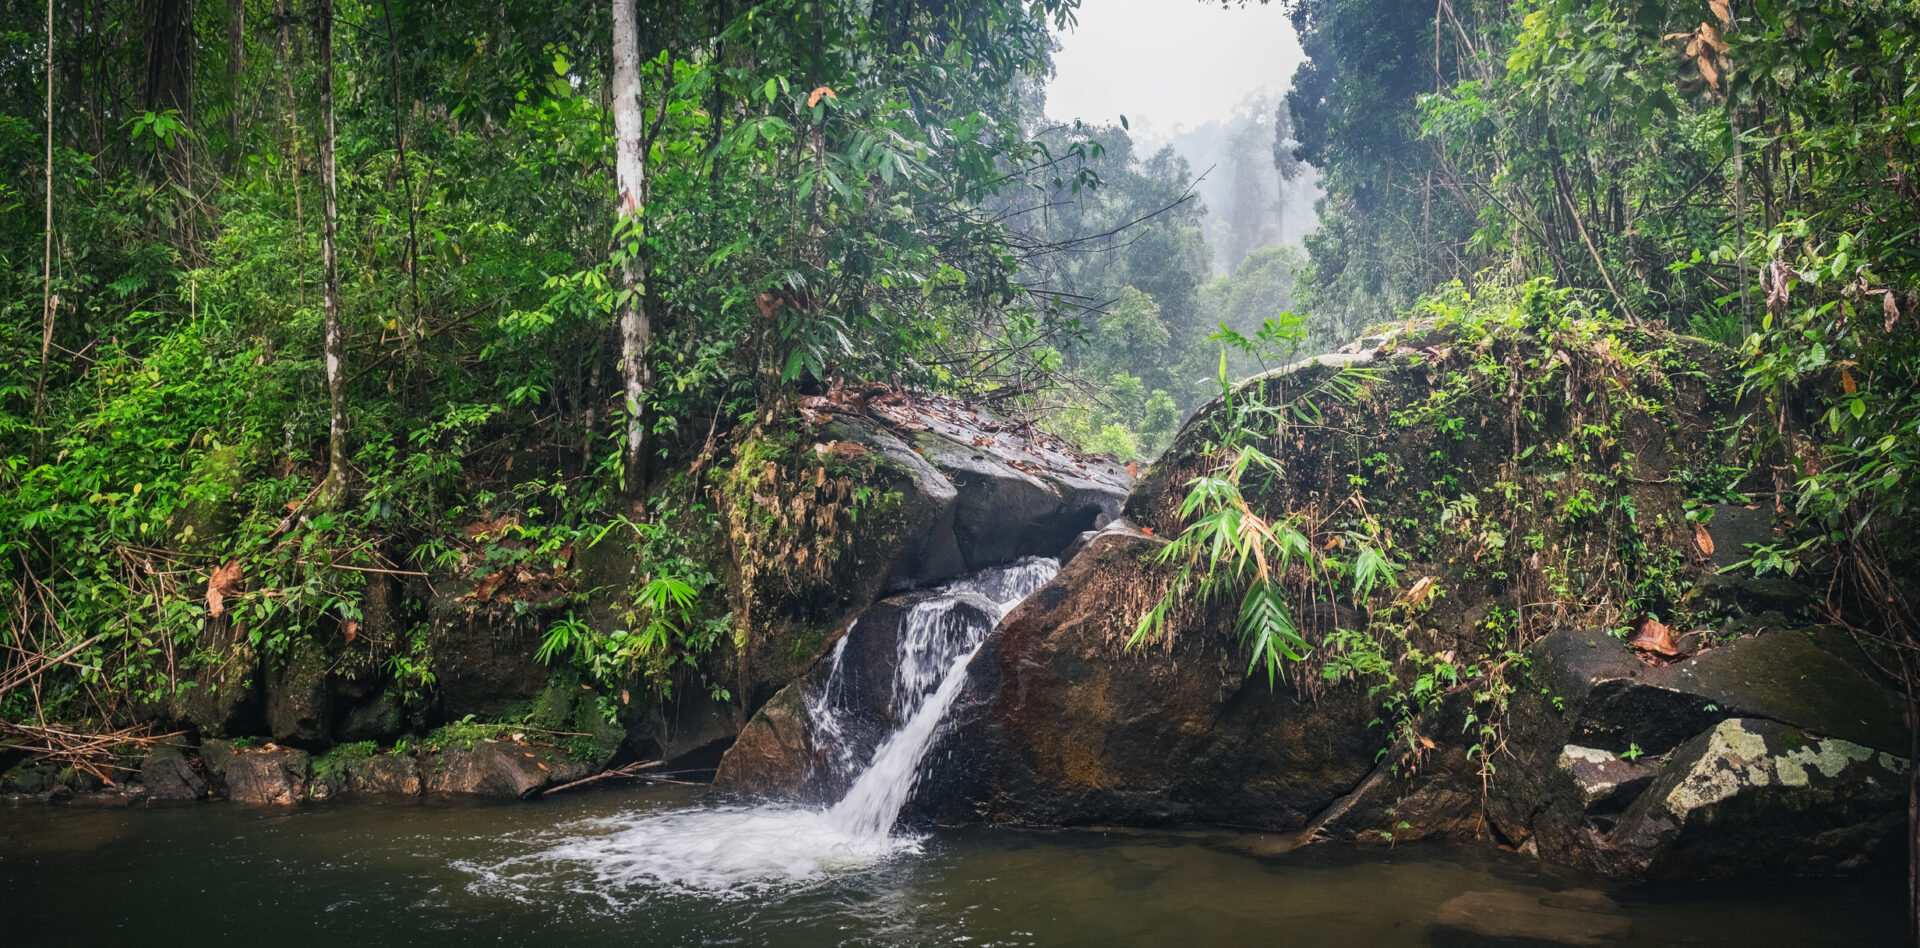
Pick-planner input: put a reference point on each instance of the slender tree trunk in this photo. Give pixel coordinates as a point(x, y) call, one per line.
point(630, 166)
point(291, 153)
point(46, 286)
point(236, 68)
point(335, 486)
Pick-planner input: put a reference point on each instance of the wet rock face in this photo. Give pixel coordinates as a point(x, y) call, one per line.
point(1059, 725)
point(774, 756)
point(482, 658)
point(300, 699)
point(779, 755)
point(1775, 754)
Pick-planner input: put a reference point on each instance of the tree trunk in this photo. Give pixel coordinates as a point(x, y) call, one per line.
point(46, 292)
point(630, 167)
point(334, 488)
point(291, 152)
point(236, 70)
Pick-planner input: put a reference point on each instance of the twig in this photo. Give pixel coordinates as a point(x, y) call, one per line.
point(629, 770)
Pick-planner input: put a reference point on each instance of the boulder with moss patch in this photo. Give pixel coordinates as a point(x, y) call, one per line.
point(1753, 797)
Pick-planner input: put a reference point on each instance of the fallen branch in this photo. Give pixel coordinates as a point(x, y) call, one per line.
point(628, 770)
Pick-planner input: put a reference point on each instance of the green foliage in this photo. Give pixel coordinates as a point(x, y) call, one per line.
point(789, 240)
point(1228, 547)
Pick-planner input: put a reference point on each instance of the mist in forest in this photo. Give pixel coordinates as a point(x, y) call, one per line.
point(1221, 114)
point(1256, 193)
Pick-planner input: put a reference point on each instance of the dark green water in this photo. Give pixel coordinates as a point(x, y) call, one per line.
point(444, 873)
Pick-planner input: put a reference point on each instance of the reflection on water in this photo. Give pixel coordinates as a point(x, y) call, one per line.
point(618, 868)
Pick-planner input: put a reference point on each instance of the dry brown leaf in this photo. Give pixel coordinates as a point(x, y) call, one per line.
point(1723, 10)
point(352, 629)
point(1652, 635)
point(813, 98)
point(1419, 592)
point(1703, 540)
point(1712, 38)
point(1707, 72)
point(1426, 742)
point(1847, 383)
point(484, 590)
point(1133, 469)
point(540, 765)
point(224, 581)
point(1892, 311)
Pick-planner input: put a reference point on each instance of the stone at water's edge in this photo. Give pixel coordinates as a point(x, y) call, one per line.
point(168, 775)
point(774, 754)
point(1718, 786)
point(1756, 797)
point(275, 777)
point(499, 769)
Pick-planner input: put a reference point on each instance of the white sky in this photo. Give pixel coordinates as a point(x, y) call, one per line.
point(1167, 64)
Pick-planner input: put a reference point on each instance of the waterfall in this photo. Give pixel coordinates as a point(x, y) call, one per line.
point(738, 851)
point(937, 640)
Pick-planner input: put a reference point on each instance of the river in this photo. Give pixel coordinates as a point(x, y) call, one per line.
point(450, 873)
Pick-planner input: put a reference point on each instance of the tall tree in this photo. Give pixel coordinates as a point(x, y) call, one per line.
point(334, 488)
point(630, 169)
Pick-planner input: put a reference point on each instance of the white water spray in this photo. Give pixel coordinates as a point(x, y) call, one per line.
point(940, 637)
point(736, 851)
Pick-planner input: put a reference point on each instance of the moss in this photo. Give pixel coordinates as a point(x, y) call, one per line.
point(807, 643)
point(334, 765)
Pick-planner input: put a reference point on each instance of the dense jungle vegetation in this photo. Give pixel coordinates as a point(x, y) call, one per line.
point(303, 296)
point(298, 292)
point(1743, 172)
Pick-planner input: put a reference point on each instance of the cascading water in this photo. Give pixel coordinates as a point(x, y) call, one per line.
point(737, 851)
point(940, 637)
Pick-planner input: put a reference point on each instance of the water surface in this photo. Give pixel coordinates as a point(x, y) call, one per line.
point(616, 867)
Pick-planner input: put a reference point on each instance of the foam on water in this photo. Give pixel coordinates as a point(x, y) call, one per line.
point(738, 851)
point(723, 852)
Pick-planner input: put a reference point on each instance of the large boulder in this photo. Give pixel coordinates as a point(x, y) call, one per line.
point(950, 490)
point(1528, 478)
point(1604, 744)
point(1754, 797)
point(1059, 724)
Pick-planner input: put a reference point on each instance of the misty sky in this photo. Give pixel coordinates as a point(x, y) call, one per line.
point(1169, 63)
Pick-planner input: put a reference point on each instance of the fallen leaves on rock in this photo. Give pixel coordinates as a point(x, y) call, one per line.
point(1703, 540)
point(1652, 635)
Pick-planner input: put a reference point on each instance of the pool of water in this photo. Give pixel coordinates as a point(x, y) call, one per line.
point(656, 867)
